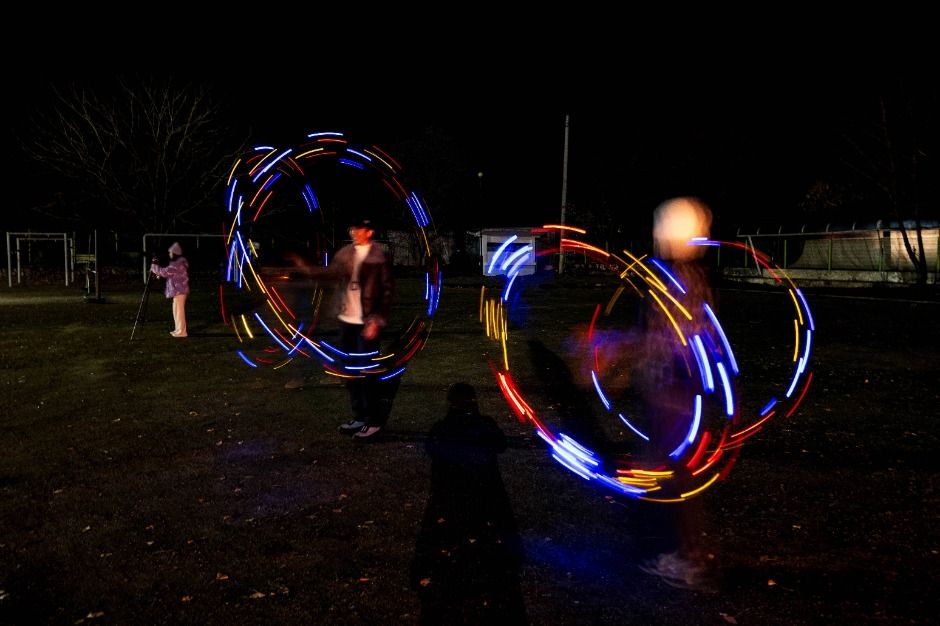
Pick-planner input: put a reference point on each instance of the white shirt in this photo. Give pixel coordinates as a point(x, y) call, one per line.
point(352, 302)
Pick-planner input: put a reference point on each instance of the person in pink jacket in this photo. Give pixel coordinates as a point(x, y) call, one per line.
point(176, 274)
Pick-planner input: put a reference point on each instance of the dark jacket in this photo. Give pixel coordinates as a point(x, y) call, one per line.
point(375, 281)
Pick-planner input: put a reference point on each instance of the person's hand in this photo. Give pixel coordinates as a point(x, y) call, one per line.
point(371, 330)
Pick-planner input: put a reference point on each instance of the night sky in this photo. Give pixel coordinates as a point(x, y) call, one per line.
point(744, 145)
point(748, 143)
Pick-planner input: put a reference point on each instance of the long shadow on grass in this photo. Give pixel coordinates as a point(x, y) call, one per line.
point(468, 554)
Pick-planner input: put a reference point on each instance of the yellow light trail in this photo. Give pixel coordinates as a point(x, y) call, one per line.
point(338, 375)
point(799, 311)
point(679, 306)
point(251, 174)
point(427, 246)
point(247, 329)
point(232, 173)
point(664, 500)
point(369, 152)
point(613, 300)
point(303, 154)
point(234, 223)
point(659, 473)
point(652, 276)
point(277, 314)
point(671, 318)
point(580, 231)
point(689, 494)
point(796, 340)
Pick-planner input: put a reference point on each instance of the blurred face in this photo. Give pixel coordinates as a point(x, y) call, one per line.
point(677, 221)
point(361, 236)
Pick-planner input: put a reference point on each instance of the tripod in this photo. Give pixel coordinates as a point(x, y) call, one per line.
point(143, 304)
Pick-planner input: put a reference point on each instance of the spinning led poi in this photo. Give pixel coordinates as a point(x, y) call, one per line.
point(278, 190)
point(713, 428)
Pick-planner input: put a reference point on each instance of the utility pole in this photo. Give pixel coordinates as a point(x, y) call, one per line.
point(564, 199)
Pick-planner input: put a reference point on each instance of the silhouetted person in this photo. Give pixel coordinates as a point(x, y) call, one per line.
point(670, 535)
point(466, 565)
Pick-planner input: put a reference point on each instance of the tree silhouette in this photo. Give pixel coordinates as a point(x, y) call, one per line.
point(892, 155)
point(437, 166)
point(144, 154)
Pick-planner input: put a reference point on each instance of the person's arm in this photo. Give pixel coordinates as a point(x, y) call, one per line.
point(386, 292)
point(377, 320)
point(301, 270)
point(387, 283)
point(173, 270)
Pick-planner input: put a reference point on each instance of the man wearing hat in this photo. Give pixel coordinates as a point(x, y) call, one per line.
point(365, 295)
point(177, 286)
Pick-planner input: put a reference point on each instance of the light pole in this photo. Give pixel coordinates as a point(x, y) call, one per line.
point(481, 253)
point(480, 198)
point(564, 198)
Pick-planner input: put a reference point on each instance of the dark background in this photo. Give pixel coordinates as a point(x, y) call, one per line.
point(747, 125)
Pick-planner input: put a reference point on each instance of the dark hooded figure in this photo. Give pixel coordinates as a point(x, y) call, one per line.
point(467, 559)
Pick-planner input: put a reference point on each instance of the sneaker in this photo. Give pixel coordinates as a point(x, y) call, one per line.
point(367, 432)
point(679, 572)
point(352, 426)
point(294, 383)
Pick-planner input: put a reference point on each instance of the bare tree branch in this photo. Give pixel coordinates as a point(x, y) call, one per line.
point(890, 155)
point(150, 154)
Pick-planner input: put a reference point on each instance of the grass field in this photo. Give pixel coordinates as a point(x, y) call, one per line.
point(163, 481)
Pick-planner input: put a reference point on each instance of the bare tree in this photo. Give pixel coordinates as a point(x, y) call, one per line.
point(892, 155)
point(149, 154)
point(437, 167)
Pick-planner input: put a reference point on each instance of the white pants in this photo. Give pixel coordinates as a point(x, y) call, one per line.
point(179, 314)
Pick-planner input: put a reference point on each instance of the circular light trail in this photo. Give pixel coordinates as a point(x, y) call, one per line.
point(270, 182)
point(712, 429)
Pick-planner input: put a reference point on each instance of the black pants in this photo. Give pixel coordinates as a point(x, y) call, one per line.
point(370, 398)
